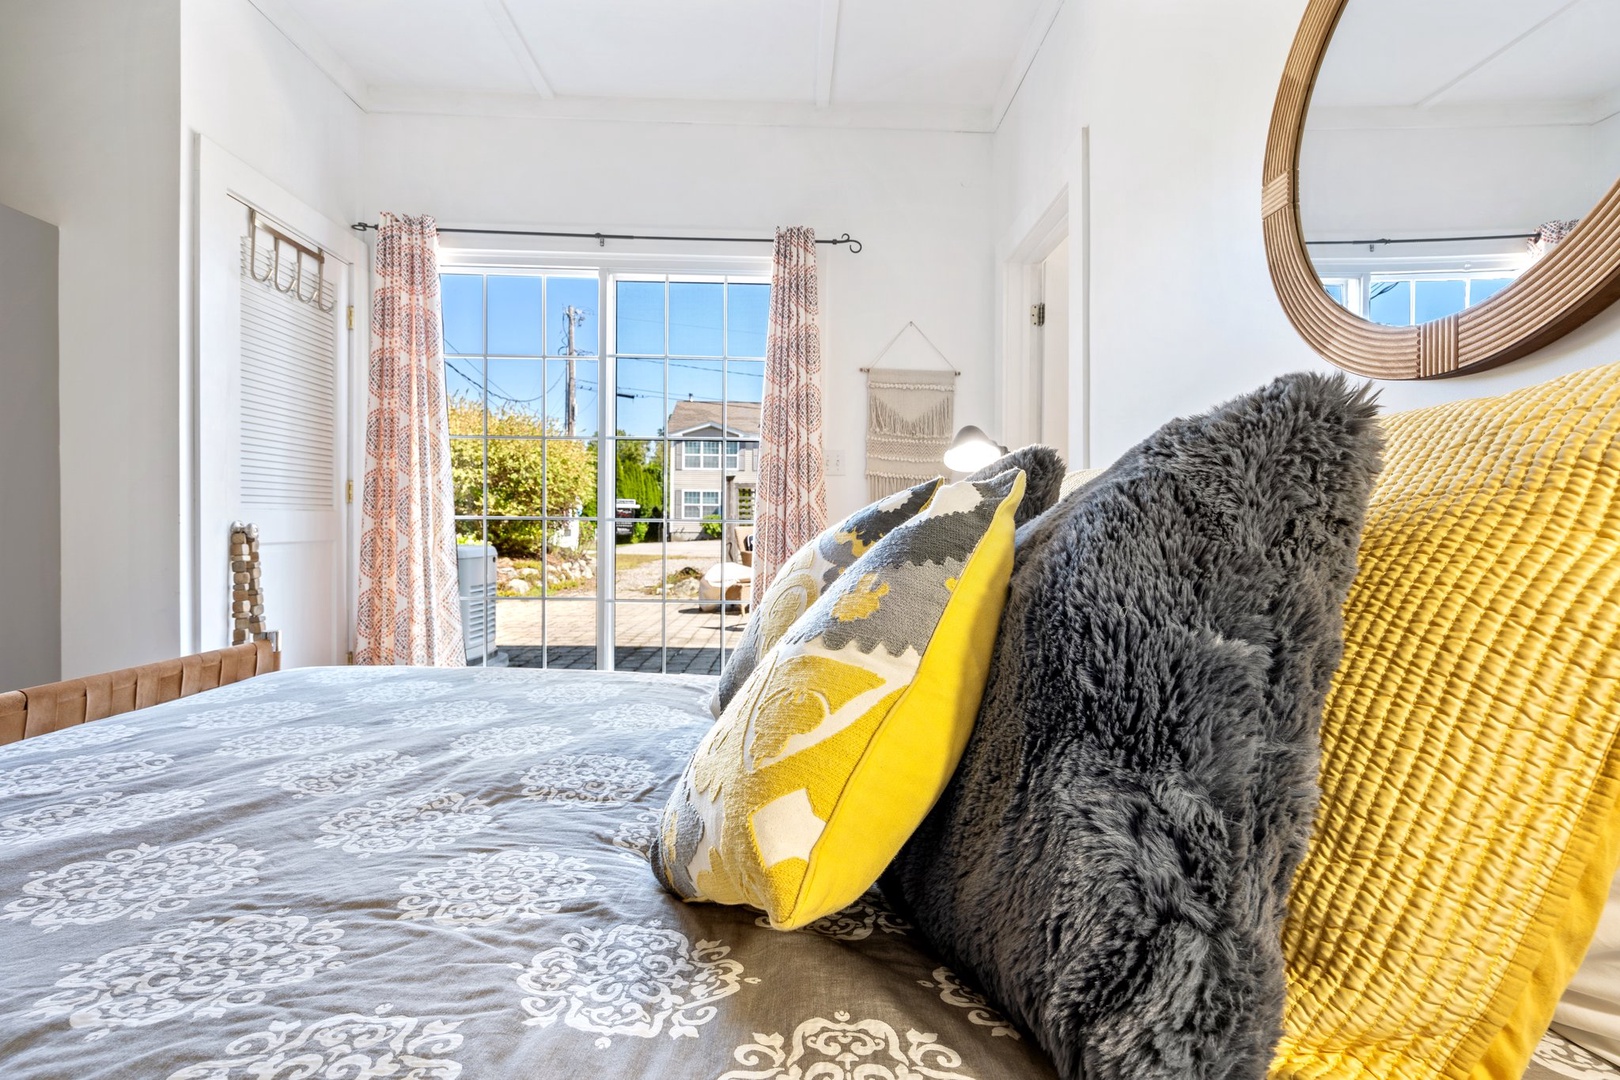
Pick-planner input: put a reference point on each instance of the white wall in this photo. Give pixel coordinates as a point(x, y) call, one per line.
point(1178, 96)
point(30, 474)
point(248, 90)
point(101, 104)
point(920, 201)
point(89, 125)
point(1607, 142)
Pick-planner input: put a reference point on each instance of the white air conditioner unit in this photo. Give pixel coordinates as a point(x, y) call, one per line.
point(475, 577)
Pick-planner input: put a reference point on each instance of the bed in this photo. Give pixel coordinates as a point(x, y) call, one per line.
point(429, 875)
point(419, 873)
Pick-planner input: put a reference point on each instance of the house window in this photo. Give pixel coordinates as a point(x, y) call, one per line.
point(697, 505)
point(701, 454)
point(577, 399)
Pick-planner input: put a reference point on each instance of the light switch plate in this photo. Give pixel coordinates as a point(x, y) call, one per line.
point(835, 463)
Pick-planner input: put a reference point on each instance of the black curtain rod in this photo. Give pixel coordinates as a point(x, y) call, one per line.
point(602, 238)
point(1425, 240)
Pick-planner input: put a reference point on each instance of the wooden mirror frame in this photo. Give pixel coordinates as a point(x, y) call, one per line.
point(1575, 280)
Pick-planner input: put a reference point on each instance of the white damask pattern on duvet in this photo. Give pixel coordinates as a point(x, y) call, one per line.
point(110, 811)
point(247, 714)
point(531, 740)
point(138, 882)
point(846, 1049)
point(422, 819)
point(855, 923)
point(352, 1047)
point(245, 690)
point(605, 780)
point(953, 991)
point(203, 969)
point(80, 773)
point(341, 774)
point(447, 713)
point(395, 693)
point(353, 676)
point(275, 742)
point(631, 980)
point(565, 694)
point(82, 737)
point(1559, 1055)
point(489, 887)
point(644, 716)
point(635, 838)
point(685, 682)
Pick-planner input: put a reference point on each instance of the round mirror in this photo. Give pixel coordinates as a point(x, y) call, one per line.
point(1441, 182)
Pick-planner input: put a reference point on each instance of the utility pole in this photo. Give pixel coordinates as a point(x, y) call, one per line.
point(574, 317)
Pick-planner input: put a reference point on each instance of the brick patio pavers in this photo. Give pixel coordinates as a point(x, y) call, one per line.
point(693, 636)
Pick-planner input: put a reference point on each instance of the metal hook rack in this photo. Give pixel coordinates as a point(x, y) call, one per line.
point(295, 285)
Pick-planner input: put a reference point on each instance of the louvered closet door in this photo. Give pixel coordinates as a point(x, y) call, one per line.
point(290, 450)
point(272, 427)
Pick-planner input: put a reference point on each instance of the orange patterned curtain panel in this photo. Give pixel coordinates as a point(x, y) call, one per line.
point(792, 503)
point(410, 610)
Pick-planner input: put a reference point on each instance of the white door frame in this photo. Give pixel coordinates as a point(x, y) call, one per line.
point(1021, 342)
point(216, 394)
point(1068, 216)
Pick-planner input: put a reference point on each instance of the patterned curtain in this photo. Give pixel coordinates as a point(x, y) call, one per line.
point(791, 508)
point(410, 609)
point(1549, 236)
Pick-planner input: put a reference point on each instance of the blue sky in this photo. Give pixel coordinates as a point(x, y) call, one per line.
point(715, 344)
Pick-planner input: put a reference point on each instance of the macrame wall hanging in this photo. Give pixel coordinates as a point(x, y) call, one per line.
point(910, 418)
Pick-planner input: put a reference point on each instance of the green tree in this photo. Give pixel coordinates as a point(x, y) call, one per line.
point(640, 470)
point(527, 478)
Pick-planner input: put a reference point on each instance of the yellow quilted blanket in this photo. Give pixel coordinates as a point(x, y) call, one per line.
point(1470, 772)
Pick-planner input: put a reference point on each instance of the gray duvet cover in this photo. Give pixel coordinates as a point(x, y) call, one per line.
point(422, 874)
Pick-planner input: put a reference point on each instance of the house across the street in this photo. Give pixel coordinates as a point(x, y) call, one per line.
point(714, 467)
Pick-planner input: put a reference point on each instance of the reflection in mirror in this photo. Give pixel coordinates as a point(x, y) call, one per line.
point(1451, 143)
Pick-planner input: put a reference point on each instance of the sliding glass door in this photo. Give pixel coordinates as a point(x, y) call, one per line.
point(605, 466)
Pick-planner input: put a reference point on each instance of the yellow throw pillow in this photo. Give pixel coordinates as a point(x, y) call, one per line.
point(836, 747)
point(802, 578)
point(1470, 773)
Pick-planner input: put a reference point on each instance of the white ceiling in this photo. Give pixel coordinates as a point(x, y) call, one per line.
point(1556, 58)
point(952, 64)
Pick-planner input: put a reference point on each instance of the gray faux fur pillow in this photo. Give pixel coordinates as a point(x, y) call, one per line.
point(1043, 478)
point(1111, 862)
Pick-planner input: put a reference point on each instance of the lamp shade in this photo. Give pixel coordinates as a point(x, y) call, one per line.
point(972, 450)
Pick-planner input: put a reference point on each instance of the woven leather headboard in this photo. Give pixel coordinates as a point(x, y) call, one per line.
point(54, 706)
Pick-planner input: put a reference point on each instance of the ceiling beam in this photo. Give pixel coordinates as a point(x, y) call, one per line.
point(281, 16)
point(502, 16)
point(1567, 113)
point(826, 52)
point(1039, 27)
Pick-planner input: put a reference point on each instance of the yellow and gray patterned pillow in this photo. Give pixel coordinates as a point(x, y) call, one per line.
point(811, 569)
point(842, 738)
